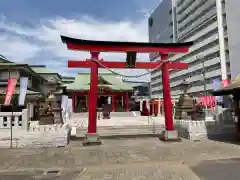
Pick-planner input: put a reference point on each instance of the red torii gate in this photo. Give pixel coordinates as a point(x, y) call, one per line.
point(95, 47)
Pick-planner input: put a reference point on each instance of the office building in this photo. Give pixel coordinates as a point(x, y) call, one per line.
point(213, 26)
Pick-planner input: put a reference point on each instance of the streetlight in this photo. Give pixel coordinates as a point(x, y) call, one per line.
point(203, 72)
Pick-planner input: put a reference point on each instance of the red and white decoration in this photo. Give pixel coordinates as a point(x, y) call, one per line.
point(209, 101)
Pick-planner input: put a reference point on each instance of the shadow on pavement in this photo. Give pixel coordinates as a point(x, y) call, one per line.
point(226, 138)
point(222, 169)
point(38, 175)
point(117, 137)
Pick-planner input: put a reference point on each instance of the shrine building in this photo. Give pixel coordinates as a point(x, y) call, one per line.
point(112, 89)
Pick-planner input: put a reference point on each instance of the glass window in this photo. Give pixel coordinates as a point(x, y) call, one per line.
point(150, 22)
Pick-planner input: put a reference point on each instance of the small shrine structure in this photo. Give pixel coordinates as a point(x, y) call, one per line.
point(111, 90)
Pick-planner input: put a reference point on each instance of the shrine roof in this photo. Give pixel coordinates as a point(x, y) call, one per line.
point(235, 85)
point(109, 80)
point(4, 59)
point(120, 46)
point(41, 69)
point(66, 79)
point(5, 66)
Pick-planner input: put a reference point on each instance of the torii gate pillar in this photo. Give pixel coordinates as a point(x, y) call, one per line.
point(169, 133)
point(92, 137)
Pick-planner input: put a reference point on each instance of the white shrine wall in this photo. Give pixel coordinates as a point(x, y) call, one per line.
point(30, 134)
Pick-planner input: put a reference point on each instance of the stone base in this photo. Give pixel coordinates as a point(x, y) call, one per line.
point(170, 136)
point(91, 139)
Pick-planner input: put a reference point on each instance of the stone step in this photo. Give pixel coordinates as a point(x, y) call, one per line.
point(121, 132)
point(113, 114)
point(122, 114)
point(122, 135)
point(129, 127)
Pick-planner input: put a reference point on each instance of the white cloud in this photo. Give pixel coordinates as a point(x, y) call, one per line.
point(16, 48)
point(43, 42)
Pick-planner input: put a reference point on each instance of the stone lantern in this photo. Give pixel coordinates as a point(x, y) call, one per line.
point(56, 109)
point(186, 104)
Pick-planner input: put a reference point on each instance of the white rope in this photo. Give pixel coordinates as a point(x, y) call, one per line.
point(128, 76)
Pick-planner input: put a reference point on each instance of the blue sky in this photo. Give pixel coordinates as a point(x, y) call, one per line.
point(30, 29)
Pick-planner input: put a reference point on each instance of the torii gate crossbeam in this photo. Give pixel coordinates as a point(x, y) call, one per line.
point(122, 65)
point(95, 47)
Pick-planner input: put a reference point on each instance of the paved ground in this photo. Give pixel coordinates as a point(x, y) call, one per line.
point(79, 120)
point(133, 159)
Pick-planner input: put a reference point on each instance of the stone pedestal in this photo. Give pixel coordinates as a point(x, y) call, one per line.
point(74, 131)
point(170, 136)
point(91, 139)
point(58, 119)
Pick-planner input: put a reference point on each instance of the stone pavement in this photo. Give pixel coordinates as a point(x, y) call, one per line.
point(80, 121)
point(129, 159)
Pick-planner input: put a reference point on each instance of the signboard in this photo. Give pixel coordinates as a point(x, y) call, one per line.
point(12, 82)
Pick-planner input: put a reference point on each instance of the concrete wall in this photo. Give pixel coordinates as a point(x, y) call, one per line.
point(198, 130)
point(218, 127)
point(233, 30)
point(37, 136)
point(31, 134)
point(20, 120)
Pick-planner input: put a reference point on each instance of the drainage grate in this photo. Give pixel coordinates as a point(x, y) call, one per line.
point(52, 172)
point(197, 140)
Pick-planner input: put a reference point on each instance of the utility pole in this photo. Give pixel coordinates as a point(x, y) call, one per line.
point(203, 72)
point(204, 84)
point(11, 106)
point(204, 79)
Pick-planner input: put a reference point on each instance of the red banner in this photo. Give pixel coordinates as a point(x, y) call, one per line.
point(209, 101)
point(12, 82)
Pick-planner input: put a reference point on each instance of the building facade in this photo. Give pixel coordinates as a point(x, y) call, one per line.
point(210, 24)
point(141, 92)
point(41, 80)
